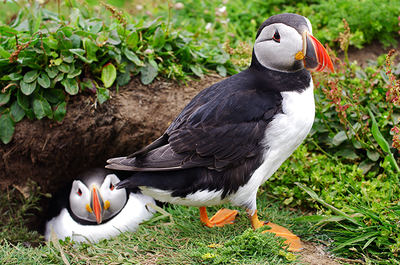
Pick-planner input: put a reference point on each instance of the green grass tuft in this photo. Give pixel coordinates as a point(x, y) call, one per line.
point(185, 241)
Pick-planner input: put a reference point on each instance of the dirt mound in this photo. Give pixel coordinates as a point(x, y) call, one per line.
point(52, 153)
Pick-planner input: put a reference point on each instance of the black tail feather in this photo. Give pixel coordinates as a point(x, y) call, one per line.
point(126, 184)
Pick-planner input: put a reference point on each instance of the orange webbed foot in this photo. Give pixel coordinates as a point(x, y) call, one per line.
point(293, 241)
point(221, 218)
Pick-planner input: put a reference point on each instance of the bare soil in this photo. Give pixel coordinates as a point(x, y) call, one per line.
point(370, 52)
point(314, 254)
point(52, 153)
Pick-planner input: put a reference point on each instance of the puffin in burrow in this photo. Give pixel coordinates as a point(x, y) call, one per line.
point(92, 208)
point(236, 133)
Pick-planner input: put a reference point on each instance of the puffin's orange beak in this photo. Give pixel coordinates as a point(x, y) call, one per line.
point(316, 57)
point(97, 205)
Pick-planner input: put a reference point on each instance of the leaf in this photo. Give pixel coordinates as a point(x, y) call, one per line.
point(44, 80)
point(60, 111)
point(132, 40)
point(113, 38)
point(221, 58)
point(95, 26)
point(52, 72)
point(74, 73)
point(64, 68)
point(80, 54)
point(133, 57)
point(3, 53)
point(221, 70)
point(158, 38)
point(368, 242)
point(373, 155)
point(57, 61)
point(26, 88)
point(4, 98)
point(377, 134)
point(90, 48)
point(68, 59)
point(15, 76)
point(54, 96)
point(41, 108)
point(16, 112)
point(23, 101)
point(116, 55)
point(392, 161)
point(347, 153)
point(71, 86)
point(196, 69)
point(101, 38)
point(8, 31)
point(357, 144)
point(148, 73)
point(103, 94)
point(366, 166)
point(6, 128)
point(59, 77)
point(123, 78)
point(31, 76)
point(339, 138)
point(108, 75)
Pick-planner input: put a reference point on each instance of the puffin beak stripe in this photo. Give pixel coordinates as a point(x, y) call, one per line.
point(317, 57)
point(97, 205)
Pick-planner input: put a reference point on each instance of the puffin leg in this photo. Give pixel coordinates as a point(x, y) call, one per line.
point(292, 240)
point(221, 218)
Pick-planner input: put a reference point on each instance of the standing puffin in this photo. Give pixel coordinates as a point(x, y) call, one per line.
point(236, 133)
point(94, 209)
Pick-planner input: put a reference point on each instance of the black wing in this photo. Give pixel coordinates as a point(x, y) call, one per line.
point(220, 128)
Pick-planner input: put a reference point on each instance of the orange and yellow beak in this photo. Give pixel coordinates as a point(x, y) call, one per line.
point(97, 205)
point(314, 55)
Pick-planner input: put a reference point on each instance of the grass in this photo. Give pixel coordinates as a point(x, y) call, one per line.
point(183, 241)
point(17, 212)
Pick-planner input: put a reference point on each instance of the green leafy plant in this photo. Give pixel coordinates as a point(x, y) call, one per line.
point(354, 117)
point(45, 58)
point(236, 19)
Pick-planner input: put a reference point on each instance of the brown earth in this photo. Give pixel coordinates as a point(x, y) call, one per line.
point(52, 153)
point(370, 52)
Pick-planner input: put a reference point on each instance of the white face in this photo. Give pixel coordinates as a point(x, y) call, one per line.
point(276, 47)
point(112, 200)
point(116, 197)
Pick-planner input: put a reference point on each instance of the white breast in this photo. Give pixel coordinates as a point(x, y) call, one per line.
point(282, 136)
point(128, 219)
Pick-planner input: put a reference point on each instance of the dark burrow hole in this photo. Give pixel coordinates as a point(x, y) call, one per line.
point(24, 210)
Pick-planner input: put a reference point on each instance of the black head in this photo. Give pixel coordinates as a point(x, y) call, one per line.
point(285, 43)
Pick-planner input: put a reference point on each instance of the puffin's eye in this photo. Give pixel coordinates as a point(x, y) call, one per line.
point(276, 37)
point(111, 186)
point(79, 192)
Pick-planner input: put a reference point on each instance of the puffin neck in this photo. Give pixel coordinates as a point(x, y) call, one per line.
point(86, 222)
point(280, 81)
